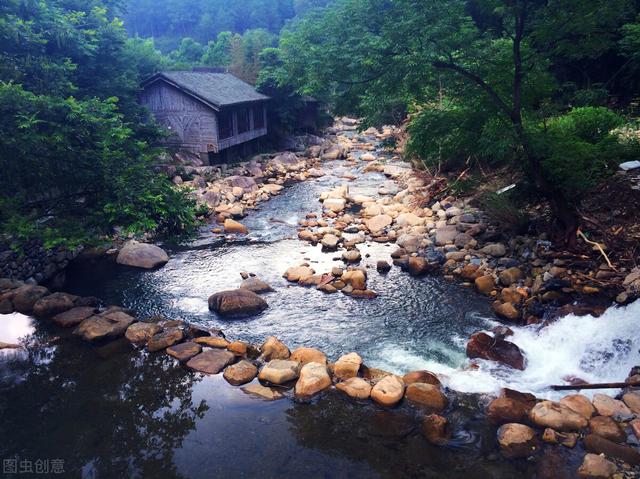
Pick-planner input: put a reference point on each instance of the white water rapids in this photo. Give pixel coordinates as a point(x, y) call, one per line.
point(601, 349)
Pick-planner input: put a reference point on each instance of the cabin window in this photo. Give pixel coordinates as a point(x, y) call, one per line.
point(258, 117)
point(225, 127)
point(243, 121)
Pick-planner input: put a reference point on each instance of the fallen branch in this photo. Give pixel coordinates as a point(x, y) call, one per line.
point(597, 245)
point(566, 387)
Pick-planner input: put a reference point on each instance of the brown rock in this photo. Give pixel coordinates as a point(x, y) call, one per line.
point(485, 284)
point(273, 348)
point(53, 304)
point(212, 341)
point(268, 394)
point(141, 332)
point(239, 348)
point(296, 273)
point(417, 266)
point(421, 377)
point(347, 366)
point(436, 429)
point(510, 276)
point(427, 395)
point(74, 316)
point(108, 325)
point(483, 346)
point(356, 278)
point(26, 296)
point(606, 427)
point(504, 410)
point(632, 400)
point(234, 227)
point(567, 439)
point(383, 266)
point(308, 355)
point(607, 406)
point(556, 416)
point(314, 378)
point(600, 445)
point(184, 351)
point(517, 440)
point(580, 404)
point(635, 427)
point(388, 391)
point(241, 372)
point(236, 302)
point(506, 311)
point(255, 285)
point(164, 339)
point(596, 467)
point(142, 255)
point(211, 361)
point(279, 371)
point(356, 388)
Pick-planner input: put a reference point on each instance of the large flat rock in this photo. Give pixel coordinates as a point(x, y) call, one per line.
point(211, 361)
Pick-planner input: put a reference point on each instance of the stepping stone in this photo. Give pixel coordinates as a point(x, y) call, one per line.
point(280, 371)
point(166, 338)
point(74, 316)
point(240, 373)
point(184, 351)
point(211, 361)
point(107, 325)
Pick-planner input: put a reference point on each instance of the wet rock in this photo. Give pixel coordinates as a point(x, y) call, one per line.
point(104, 326)
point(351, 256)
point(517, 440)
point(330, 242)
point(314, 378)
point(383, 266)
point(235, 227)
point(279, 371)
point(556, 416)
point(635, 427)
point(567, 439)
point(53, 304)
point(485, 284)
point(436, 429)
point(607, 406)
point(141, 332)
point(236, 302)
point(506, 311)
point(483, 346)
point(26, 296)
point(6, 305)
point(510, 276)
point(504, 410)
point(268, 394)
point(580, 404)
point(600, 445)
point(418, 266)
point(388, 391)
point(378, 223)
point(240, 373)
point(273, 348)
point(356, 278)
point(355, 387)
point(239, 348)
point(296, 273)
point(336, 205)
point(595, 466)
point(184, 351)
point(255, 285)
point(606, 427)
point(212, 341)
point(347, 366)
point(632, 400)
point(308, 355)
point(427, 395)
point(142, 255)
point(74, 316)
point(420, 377)
point(211, 361)
point(164, 339)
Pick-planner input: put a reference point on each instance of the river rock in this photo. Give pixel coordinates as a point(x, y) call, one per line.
point(426, 377)
point(378, 223)
point(606, 427)
point(296, 273)
point(485, 284)
point(255, 285)
point(164, 339)
point(580, 404)
point(436, 429)
point(383, 266)
point(595, 466)
point(607, 406)
point(140, 332)
point(240, 373)
point(330, 241)
point(506, 311)
point(427, 395)
point(74, 316)
point(211, 361)
point(567, 439)
point(517, 440)
point(279, 371)
point(142, 255)
point(388, 391)
point(347, 366)
point(483, 346)
point(336, 205)
point(26, 296)
point(632, 400)
point(234, 227)
point(236, 302)
point(510, 276)
point(263, 392)
point(308, 355)
point(600, 445)
point(355, 387)
point(53, 304)
point(108, 325)
point(356, 278)
point(351, 256)
point(239, 348)
point(496, 250)
point(556, 416)
point(184, 351)
point(446, 235)
point(505, 410)
point(213, 341)
point(314, 378)
point(273, 348)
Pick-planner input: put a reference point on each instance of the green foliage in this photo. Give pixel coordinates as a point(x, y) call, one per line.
point(505, 210)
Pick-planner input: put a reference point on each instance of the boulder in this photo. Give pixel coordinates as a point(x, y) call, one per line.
point(330, 242)
point(580, 404)
point(601, 445)
point(506, 311)
point(436, 429)
point(446, 235)
point(483, 346)
point(241, 372)
point(141, 332)
point(485, 284)
point(428, 395)
point(567, 439)
point(74, 316)
point(347, 366)
point(108, 325)
point(355, 387)
point(164, 339)
point(26, 296)
point(409, 219)
point(595, 466)
point(378, 223)
point(212, 341)
point(496, 250)
point(263, 392)
point(388, 391)
point(255, 285)
point(273, 348)
point(296, 273)
point(234, 227)
point(417, 265)
point(314, 378)
point(607, 406)
point(510, 276)
point(356, 278)
point(184, 351)
point(236, 302)
point(239, 348)
point(606, 427)
point(53, 304)
point(336, 205)
point(505, 410)
point(211, 361)
point(517, 440)
point(279, 371)
point(142, 255)
point(383, 266)
point(632, 400)
point(556, 416)
point(420, 377)
point(351, 256)
point(308, 355)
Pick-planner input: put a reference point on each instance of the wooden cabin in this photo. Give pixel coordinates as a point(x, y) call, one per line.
point(207, 111)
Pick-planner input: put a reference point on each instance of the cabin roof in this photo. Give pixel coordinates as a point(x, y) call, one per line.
point(214, 89)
